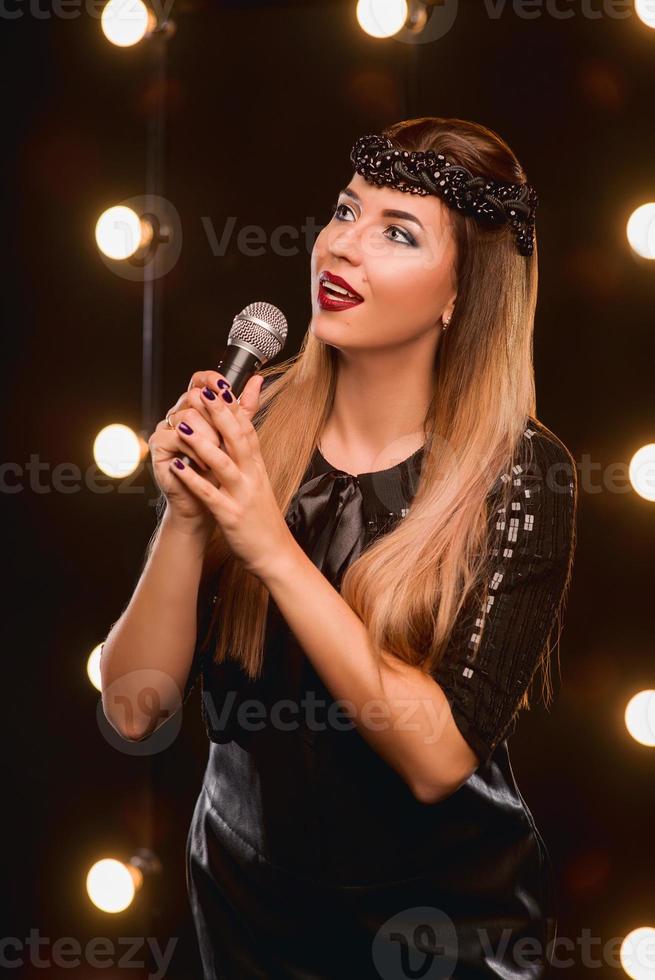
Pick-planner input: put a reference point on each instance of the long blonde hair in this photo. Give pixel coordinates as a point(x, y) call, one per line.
point(410, 584)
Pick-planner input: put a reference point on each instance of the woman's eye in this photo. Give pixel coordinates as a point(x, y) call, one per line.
point(336, 207)
point(409, 240)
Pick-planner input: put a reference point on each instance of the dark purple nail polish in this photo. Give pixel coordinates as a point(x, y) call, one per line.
point(223, 384)
point(227, 397)
point(186, 428)
point(179, 464)
point(208, 394)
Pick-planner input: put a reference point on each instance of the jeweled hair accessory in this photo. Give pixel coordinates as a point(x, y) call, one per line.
point(417, 172)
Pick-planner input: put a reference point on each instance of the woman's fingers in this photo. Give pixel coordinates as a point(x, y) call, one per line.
point(232, 424)
point(195, 418)
point(192, 408)
point(214, 498)
point(171, 442)
point(249, 400)
point(199, 412)
point(227, 472)
point(200, 378)
point(186, 401)
point(249, 397)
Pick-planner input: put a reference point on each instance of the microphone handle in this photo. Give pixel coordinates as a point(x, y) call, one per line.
point(237, 366)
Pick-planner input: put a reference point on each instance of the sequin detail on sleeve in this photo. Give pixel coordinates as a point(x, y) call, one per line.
point(485, 673)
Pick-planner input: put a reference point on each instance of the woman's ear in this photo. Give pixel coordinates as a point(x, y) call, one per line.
point(447, 314)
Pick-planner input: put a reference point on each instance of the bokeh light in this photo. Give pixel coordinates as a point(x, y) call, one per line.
point(126, 22)
point(640, 717)
point(641, 471)
point(118, 450)
point(120, 232)
point(381, 18)
point(111, 884)
point(638, 953)
point(645, 11)
point(641, 230)
point(93, 667)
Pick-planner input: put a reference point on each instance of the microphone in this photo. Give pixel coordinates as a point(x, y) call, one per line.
point(257, 335)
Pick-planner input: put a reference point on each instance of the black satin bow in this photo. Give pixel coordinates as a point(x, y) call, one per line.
point(326, 516)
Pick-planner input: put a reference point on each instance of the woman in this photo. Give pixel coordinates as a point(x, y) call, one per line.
point(379, 554)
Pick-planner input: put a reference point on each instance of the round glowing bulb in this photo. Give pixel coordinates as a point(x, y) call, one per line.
point(111, 884)
point(641, 230)
point(126, 22)
point(641, 471)
point(381, 18)
point(640, 717)
point(93, 667)
point(118, 450)
point(645, 11)
point(120, 232)
point(638, 953)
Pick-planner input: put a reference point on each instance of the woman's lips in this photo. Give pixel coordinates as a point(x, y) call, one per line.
point(327, 301)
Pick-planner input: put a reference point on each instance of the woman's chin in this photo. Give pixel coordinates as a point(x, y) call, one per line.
point(329, 321)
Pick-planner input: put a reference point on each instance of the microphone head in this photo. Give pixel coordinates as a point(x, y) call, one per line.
point(261, 328)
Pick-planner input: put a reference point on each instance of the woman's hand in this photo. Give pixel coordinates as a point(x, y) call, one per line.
point(185, 507)
point(234, 488)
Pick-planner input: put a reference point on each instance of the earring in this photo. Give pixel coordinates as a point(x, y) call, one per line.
point(445, 323)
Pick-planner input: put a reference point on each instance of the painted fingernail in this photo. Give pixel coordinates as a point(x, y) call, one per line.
point(208, 394)
point(227, 397)
point(223, 384)
point(179, 464)
point(185, 428)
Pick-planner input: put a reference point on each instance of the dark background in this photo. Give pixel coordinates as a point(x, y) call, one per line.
point(264, 103)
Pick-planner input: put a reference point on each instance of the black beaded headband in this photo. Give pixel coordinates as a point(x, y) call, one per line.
point(416, 172)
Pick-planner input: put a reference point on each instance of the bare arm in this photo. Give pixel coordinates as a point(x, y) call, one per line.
point(148, 653)
point(150, 648)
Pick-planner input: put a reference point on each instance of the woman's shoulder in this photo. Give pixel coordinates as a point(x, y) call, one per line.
point(539, 490)
point(549, 459)
point(546, 441)
point(540, 458)
point(543, 501)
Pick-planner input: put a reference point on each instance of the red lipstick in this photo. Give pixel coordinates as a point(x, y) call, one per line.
point(336, 299)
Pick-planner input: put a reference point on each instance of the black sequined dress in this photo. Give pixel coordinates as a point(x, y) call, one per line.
point(308, 856)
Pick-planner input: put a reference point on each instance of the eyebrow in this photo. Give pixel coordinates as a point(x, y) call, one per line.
point(349, 192)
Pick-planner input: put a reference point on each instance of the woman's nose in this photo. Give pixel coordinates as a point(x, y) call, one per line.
point(357, 243)
point(345, 244)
